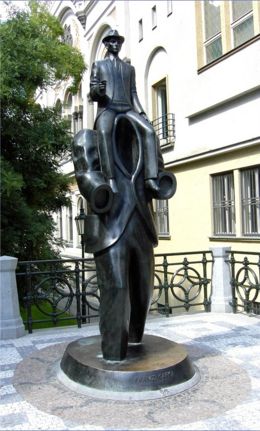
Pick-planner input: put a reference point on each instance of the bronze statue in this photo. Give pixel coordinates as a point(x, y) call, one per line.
point(119, 170)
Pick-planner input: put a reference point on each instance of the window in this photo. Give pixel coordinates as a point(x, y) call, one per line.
point(140, 30)
point(162, 217)
point(169, 7)
point(60, 224)
point(161, 106)
point(69, 224)
point(154, 17)
point(242, 25)
point(223, 26)
point(223, 204)
point(250, 198)
point(164, 123)
point(212, 30)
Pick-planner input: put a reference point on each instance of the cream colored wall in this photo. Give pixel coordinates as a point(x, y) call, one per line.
point(190, 208)
point(189, 93)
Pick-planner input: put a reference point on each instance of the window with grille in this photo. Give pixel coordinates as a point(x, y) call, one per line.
point(212, 30)
point(242, 24)
point(223, 204)
point(162, 217)
point(250, 198)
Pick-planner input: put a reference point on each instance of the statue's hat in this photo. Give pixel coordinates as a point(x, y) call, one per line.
point(113, 34)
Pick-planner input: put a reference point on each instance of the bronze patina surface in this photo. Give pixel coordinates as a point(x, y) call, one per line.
point(151, 365)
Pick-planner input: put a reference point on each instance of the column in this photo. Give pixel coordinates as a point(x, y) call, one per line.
point(11, 324)
point(221, 287)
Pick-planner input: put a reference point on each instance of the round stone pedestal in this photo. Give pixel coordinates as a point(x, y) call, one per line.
point(154, 365)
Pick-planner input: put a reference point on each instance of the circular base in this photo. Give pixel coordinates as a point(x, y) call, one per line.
point(155, 364)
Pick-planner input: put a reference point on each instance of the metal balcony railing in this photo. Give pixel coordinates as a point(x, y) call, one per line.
point(165, 129)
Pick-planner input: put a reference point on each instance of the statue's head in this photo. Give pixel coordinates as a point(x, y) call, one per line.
point(113, 41)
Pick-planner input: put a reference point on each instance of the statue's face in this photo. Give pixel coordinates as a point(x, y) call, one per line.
point(113, 45)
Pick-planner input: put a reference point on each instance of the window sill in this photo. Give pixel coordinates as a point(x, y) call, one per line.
point(235, 239)
point(164, 236)
point(228, 54)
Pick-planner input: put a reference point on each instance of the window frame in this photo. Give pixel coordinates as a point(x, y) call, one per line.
point(208, 41)
point(234, 23)
point(154, 17)
point(226, 22)
point(250, 204)
point(162, 209)
point(226, 216)
point(140, 30)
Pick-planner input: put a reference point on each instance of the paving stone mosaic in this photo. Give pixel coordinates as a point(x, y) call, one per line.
point(225, 348)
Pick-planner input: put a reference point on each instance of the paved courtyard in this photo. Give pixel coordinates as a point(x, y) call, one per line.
point(225, 348)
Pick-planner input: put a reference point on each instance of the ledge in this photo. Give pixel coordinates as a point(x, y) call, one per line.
point(235, 239)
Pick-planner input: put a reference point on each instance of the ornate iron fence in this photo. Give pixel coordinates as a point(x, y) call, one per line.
point(59, 290)
point(245, 281)
point(67, 291)
point(182, 280)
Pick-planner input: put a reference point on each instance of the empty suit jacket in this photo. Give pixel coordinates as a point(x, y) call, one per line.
point(105, 229)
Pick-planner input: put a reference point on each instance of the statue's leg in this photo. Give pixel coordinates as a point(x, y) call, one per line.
point(141, 281)
point(112, 268)
point(104, 127)
point(149, 141)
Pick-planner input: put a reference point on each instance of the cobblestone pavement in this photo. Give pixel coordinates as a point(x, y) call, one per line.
point(225, 348)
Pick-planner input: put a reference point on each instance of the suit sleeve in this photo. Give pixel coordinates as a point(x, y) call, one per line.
point(94, 83)
point(135, 100)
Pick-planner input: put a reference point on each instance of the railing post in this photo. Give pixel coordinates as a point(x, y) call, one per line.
point(207, 299)
point(29, 296)
point(11, 324)
point(166, 285)
point(221, 281)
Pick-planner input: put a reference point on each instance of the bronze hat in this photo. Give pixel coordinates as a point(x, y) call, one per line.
point(113, 34)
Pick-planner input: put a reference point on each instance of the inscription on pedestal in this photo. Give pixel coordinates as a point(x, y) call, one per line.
point(82, 363)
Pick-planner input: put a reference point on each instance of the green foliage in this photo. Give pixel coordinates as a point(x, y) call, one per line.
point(64, 320)
point(34, 139)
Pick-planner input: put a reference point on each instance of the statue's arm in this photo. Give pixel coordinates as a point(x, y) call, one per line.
point(97, 87)
point(135, 99)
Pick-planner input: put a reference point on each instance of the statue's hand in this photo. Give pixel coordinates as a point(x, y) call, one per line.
point(102, 88)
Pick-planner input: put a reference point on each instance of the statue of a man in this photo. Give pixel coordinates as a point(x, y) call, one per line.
point(112, 85)
point(119, 170)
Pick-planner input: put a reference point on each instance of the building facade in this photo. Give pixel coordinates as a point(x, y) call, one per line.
point(197, 71)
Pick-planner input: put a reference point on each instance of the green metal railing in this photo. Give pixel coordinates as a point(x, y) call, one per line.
point(66, 290)
point(182, 280)
point(245, 281)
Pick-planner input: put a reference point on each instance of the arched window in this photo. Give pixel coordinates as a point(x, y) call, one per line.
point(68, 109)
point(69, 224)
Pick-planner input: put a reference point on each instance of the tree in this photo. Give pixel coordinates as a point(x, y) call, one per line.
point(34, 138)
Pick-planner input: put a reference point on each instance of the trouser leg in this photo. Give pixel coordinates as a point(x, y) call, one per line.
point(125, 278)
point(140, 282)
point(149, 142)
point(114, 301)
point(104, 127)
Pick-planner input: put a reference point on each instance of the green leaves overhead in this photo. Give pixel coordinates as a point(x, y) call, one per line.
point(34, 139)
